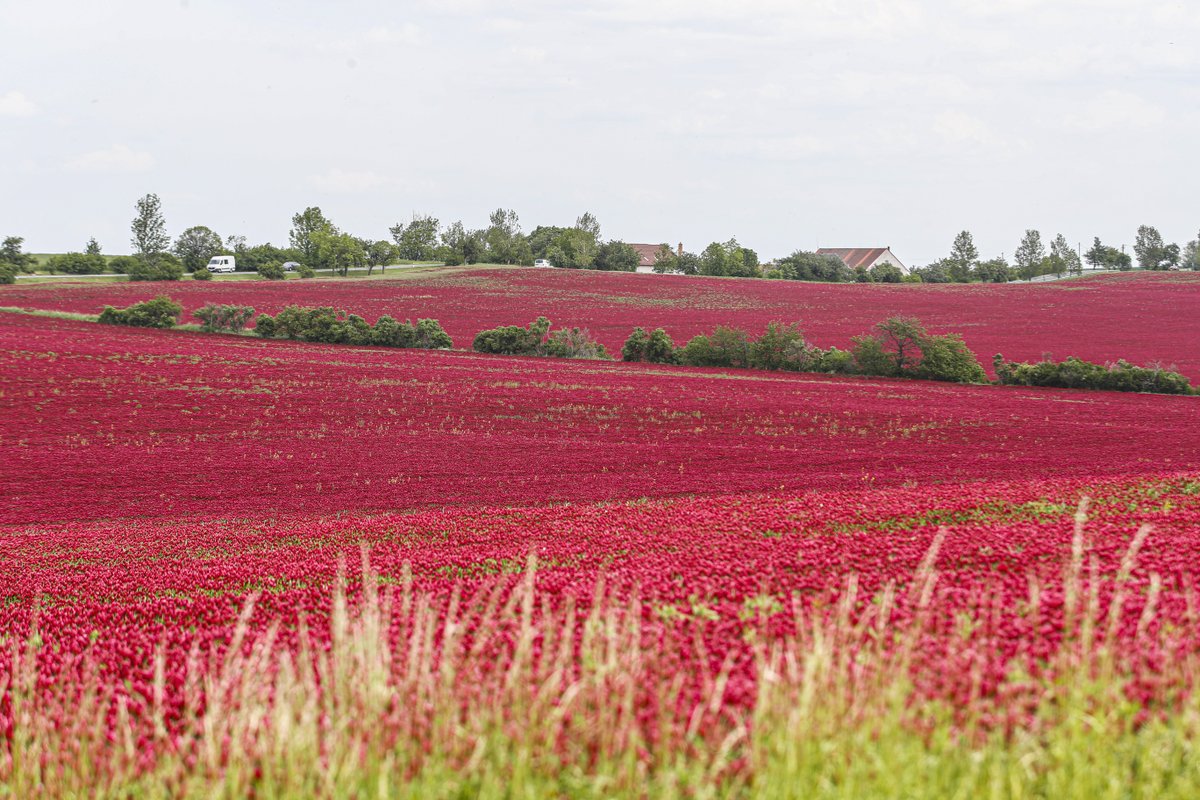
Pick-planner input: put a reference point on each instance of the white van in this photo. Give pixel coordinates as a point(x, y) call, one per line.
point(222, 264)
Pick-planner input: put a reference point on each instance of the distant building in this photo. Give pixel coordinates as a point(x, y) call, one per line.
point(648, 254)
point(863, 257)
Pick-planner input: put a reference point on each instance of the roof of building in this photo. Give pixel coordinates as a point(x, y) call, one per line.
point(854, 257)
point(647, 253)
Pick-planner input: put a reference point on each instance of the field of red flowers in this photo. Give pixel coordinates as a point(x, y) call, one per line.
point(1143, 318)
point(155, 482)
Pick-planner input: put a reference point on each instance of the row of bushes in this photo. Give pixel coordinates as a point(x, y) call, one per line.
point(1075, 373)
point(536, 339)
point(327, 325)
point(898, 347)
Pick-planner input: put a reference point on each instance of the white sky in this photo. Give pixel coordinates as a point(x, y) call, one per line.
point(786, 124)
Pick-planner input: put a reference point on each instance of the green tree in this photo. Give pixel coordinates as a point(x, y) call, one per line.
point(11, 255)
point(574, 248)
point(462, 246)
point(589, 224)
point(1029, 255)
point(886, 273)
point(505, 244)
point(804, 265)
point(418, 240)
point(340, 252)
point(149, 228)
point(616, 256)
point(1063, 258)
point(77, 264)
point(994, 270)
point(305, 224)
point(541, 239)
point(379, 254)
point(666, 260)
point(1191, 254)
point(162, 267)
point(964, 255)
point(196, 245)
point(1101, 256)
point(92, 248)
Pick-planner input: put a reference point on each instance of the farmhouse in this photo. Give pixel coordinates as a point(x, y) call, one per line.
point(648, 254)
point(864, 257)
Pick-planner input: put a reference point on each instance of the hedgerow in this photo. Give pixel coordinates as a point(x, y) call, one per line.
point(329, 326)
point(161, 312)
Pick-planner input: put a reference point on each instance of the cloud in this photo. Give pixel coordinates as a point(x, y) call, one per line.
point(1117, 109)
point(117, 158)
point(16, 104)
point(960, 128)
point(339, 180)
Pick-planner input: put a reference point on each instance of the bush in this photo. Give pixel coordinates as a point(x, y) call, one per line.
point(160, 267)
point(77, 264)
point(122, 264)
point(655, 348)
point(1075, 373)
point(305, 271)
point(202, 274)
point(573, 343)
point(947, 358)
point(512, 340)
point(782, 347)
point(222, 318)
point(161, 312)
point(8, 274)
point(272, 271)
point(328, 326)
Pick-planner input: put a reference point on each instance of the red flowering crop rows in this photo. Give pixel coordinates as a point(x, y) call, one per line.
point(1143, 318)
point(105, 421)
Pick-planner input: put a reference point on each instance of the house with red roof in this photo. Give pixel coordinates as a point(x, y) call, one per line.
point(648, 254)
point(863, 257)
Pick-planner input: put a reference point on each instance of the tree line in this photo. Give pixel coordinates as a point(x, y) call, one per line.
point(315, 242)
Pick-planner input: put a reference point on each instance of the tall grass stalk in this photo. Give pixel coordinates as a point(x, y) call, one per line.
point(500, 692)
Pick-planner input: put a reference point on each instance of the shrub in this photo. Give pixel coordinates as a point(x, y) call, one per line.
point(272, 271)
point(202, 274)
point(223, 318)
point(8, 274)
point(1075, 373)
point(573, 343)
point(326, 325)
point(265, 326)
point(159, 267)
point(655, 348)
point(782, 347)
point(161, 312)
point(513, 340)
point(77, 264)
point(947, 358)
point(305, 271)
point(121, 264)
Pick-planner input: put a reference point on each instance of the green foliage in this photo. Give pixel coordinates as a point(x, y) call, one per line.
point(149, 228)
point(886, 273)
point(304, 224)
point(77, 264)
point(947, 358)
point(339, 252)
point(1101, 256)
point(573, 248)
point(994, 270)
point(418, 240)
point(196, 246)
point(656, 347)
point(461, 246)
point(272, 271)
point(1152, 252)
point(964, 255)
point(1075, 373)
point(1029, 255)
point(616, 256)
point(161, 312)
point(202, 274)
point(729, 259)
point(122, 264)
point(542, 238)
point(8, 273)
point(156, 267)
point(513, 340)
point(803, 265)
point(305, 271)
point(725, 347)
point(326, 325)
point(573, 343)
point(249, 259)
point(223, 318)
point(783, 347)
point(12, 255)
point(505, 244)
point(92, 248)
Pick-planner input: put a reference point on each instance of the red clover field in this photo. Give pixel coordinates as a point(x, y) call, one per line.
point(233, 566)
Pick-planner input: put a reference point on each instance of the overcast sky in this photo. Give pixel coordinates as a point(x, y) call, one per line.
point(786, 123)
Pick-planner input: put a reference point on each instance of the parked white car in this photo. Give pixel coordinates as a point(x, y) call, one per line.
point(542, 262)
point(222, 264)
point(290, 266)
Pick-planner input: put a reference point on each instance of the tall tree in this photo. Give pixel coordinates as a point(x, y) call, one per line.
point(418, 240)
point(304, 225)
point(1191, 254)
point(589, 224)
point(1152, 252)
point(505, 243)
point(964, 255)
point(338, 251)
point(92, 248)
point(149, 229)
point(12, 255)
point(616, 256)
point(196, 246)
point(1063, 257)
point(1029, 255)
